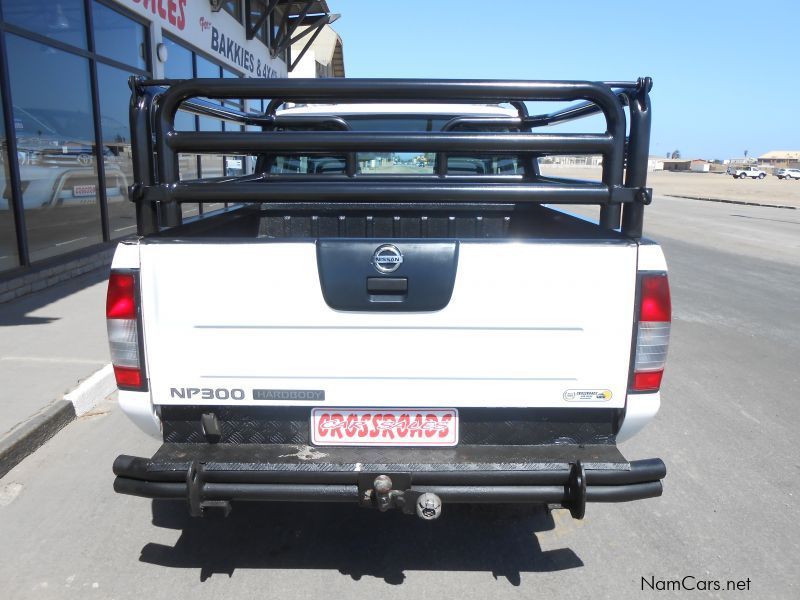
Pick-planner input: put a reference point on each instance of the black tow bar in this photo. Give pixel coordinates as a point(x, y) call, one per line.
point(378, 491)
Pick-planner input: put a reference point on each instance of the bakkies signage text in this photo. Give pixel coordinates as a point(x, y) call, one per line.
point(235, 53)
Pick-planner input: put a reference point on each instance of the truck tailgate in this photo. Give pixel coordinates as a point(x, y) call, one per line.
point(529, 324)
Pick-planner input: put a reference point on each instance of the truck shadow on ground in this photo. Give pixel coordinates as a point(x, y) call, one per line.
point(358, 542)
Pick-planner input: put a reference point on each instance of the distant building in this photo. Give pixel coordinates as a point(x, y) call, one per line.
point(780, 159)
point(655, 163)
point(677, 164)
point(693, 165)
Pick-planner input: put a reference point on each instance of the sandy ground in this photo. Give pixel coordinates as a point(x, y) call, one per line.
point(770, 190)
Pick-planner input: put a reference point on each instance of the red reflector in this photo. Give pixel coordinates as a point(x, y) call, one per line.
point(127, 377)
point(656, 305)
point(647, 380)
point(121, 299)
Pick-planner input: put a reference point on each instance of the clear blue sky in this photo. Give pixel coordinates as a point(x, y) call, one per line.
point(726, 74)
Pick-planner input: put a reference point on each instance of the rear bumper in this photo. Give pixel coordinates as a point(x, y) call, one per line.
point(212, 475)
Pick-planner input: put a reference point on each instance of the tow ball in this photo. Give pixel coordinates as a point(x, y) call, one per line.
point(381, 495)
point(429, 506)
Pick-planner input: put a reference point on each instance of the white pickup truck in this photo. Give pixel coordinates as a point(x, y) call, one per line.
point(362, 325)
point(744, 171)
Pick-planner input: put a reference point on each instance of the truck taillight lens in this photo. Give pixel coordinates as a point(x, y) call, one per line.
point(122, 320)
point(652, 335)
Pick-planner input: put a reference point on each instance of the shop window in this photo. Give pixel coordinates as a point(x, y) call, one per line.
point(8, 237)
point(206, 68)
point(119, 38)
point(179, 61)
point(276, 30)
point(54, 129)
point(187, 163)
point(233, 8)
point(211, 165)
point(114, 99)
point(253, 106)
point(234, 103)
point(258, 8)
point(233, 166)
point(214, 165)
point(180, 65)
point(63, 20)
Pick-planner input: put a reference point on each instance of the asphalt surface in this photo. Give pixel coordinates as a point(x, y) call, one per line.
point(727, 431)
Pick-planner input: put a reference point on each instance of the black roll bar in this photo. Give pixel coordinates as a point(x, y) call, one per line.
point(325, 142)
point(156, 102)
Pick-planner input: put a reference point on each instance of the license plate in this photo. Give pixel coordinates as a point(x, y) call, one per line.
point(80, 191)
point(384, 427)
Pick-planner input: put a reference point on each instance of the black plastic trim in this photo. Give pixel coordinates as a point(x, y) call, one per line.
point(427, 267)
point(387, 285)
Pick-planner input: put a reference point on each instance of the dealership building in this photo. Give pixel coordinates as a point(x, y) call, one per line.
point(64, 69)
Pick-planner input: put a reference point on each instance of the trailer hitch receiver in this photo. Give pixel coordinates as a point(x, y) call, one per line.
point(394, 491)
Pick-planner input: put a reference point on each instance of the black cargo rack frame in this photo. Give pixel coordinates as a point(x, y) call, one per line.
point(158, 191)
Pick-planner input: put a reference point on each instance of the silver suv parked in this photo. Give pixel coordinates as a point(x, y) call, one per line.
point(788, 173)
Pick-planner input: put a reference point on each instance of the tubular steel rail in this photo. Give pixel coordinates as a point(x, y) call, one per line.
point(158, 191)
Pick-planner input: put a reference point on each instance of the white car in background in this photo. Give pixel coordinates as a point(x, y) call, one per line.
point(740, 172)
point(788, 173)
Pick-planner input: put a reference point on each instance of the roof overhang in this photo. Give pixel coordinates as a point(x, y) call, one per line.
point(299, 23)
point(328, 50)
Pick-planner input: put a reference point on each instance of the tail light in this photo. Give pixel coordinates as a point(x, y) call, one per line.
point(122, 319)
point(652, 335)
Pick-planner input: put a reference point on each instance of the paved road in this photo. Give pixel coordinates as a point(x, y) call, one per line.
point(727, 430)
point(40, 359)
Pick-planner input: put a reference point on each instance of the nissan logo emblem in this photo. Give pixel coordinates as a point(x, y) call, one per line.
point(387, 258)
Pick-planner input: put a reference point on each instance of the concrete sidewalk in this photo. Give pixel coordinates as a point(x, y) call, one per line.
point(50, 342)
